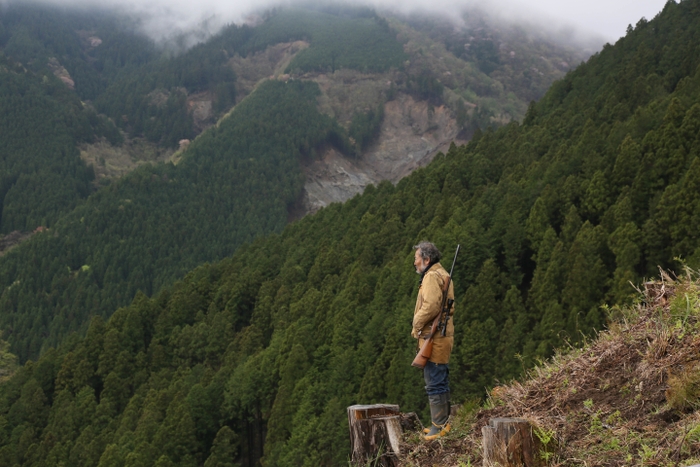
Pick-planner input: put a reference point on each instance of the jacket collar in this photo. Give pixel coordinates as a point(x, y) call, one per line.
point(430, 265)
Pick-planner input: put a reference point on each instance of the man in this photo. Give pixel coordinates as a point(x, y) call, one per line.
point(428, 306)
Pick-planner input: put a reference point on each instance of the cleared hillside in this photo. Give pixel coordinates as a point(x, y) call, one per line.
point(628, 397)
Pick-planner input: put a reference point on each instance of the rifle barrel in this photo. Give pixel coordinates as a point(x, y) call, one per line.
point(442, 325)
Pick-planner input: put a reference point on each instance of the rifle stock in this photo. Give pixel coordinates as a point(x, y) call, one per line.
point(426, 349)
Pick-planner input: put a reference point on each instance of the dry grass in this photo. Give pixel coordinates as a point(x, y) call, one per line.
point(627, 398)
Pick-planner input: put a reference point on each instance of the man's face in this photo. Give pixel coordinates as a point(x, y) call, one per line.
point(419, 262)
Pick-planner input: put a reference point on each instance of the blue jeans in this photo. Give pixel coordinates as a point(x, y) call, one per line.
point(437, 378)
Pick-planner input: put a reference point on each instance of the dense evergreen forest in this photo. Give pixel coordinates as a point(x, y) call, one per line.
point(32, 34)
point(42, 120)
point(117, 68)
point(235, 182)
point(141, 234)
point(143, 89)
point(349, 38)
point(41, 174)
point(259, 354)
point(340, 37)
point(238, 181)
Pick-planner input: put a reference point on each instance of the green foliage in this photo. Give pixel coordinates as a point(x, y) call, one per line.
point(236, 182)
point(125, 75)
point(513, 60)
point(35, 33)
point(41, 122)
point(152, 100)
point(259, 355)
point(145, 92)
point(8, 362)
point(426, 87)
point(683, 391)
point(364, 128)
point(344, 38)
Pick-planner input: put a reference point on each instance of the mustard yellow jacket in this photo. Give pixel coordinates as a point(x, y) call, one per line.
point(428, 306)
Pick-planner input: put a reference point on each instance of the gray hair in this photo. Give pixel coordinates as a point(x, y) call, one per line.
point(428, 251)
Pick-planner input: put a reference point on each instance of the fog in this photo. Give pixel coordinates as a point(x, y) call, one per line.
point(600, 20)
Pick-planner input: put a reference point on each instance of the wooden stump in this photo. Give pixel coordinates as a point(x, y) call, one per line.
point(375, 434)
point(410, 422)
point(509, 442)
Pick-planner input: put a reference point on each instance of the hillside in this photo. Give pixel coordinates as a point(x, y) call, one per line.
point(233, 184)
point(256, 357)
point(41, 123)
point(628, 397)
point(334, 121)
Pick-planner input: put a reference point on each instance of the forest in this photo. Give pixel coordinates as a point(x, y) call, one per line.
point(255, 358)
point(41, 122)
point(108, 241)
point(355, 38)
point(234, 183)
point(240, 180)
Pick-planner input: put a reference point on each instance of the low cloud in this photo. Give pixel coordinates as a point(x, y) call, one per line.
point(602, 20)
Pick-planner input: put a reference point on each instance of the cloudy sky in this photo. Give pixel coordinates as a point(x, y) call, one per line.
point(607, 19)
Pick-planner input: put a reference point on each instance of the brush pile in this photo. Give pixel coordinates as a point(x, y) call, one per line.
point(629, 397)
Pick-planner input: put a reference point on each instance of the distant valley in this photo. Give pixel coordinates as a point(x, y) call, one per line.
point(152, 137)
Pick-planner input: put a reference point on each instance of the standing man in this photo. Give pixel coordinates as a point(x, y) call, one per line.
point(428, 306)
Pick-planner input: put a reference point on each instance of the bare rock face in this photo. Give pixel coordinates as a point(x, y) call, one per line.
point(412, 133)
point(332, 179)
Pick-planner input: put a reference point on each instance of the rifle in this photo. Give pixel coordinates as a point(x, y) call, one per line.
point(438, 324)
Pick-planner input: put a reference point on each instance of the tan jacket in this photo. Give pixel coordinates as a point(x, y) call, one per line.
point(428, 306)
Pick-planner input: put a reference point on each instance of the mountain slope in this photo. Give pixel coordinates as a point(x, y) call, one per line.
point(629, 397)
point(150, 227)
point(41, 122)
point(234, 183)
point(257, 357)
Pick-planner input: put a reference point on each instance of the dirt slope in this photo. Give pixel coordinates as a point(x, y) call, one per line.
point(627, 398)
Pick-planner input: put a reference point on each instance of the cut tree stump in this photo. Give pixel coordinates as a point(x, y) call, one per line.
point(509, 442)
point(375, 434)
point(410, 422)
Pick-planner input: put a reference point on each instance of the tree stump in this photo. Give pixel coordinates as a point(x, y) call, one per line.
point(410, 422)
point(509, 442)
point(375, 434)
